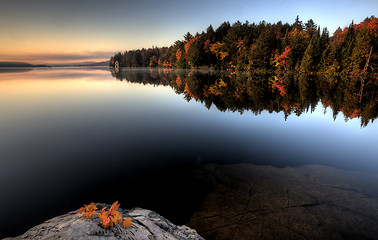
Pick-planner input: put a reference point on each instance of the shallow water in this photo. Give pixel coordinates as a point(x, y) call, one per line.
point(71, 136)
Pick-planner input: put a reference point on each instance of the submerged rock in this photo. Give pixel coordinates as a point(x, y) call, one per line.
point(146, 224)
point(249, 201)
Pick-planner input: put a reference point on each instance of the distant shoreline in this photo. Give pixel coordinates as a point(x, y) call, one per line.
point(28, 65)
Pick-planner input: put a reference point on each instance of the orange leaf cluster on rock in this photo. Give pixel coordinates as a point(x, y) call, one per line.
point(88, 210)
point(108, 218)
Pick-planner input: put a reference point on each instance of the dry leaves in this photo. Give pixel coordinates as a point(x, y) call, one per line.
point(108, 217)
point(88, 210)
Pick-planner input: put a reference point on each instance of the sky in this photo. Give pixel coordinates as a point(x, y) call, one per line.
point(67, 31)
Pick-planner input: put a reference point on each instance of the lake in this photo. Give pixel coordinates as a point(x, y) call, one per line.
point(193, 146)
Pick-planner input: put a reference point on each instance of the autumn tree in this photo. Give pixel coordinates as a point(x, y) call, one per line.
point(194, 52)
point(221, 52)
point(280, 60)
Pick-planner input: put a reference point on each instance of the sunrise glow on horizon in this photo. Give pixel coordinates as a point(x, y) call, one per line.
point(50, 32)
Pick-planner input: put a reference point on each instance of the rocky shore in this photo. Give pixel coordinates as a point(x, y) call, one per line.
point(247, 201)
point(145, 225)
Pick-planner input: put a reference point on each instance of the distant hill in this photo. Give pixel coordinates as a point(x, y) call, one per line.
point(20, 64)
point(105, 63)
point(83, 64)
point(28, 65)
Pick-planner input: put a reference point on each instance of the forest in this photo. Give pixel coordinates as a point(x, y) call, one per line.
point(265, 47)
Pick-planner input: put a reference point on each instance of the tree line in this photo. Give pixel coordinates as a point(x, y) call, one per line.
point(299, 47)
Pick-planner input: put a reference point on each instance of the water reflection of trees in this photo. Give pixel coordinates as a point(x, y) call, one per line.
point(290, 94)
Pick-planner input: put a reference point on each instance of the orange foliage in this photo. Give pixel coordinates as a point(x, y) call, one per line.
point(178, 54)
point(189, 92)
point(217, 49)
point(88, 210)
point(187, 45)
point(206, 91)
point(241, 47)
point(347, 113)
point(178, 81)
point(216, 88)
point(281, 60)
point(167, 64)
point(339, 36)
point(371, 24)
point(298, 33)
point(207, 46)
point(127, 223)
point(355, 113)
point(279, 83)
point(108, 218)
point(166, 72)
point(287, 107)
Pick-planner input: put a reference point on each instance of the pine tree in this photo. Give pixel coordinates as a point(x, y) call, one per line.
point(347, 48)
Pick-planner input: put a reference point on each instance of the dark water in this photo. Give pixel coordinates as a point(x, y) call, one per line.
point(72, 136)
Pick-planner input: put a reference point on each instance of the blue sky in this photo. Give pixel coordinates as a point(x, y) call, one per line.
point(47, 31)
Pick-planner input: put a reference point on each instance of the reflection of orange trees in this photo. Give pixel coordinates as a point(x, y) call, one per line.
point(347, 97)
point(166, 71)
point(291, 94)
point(279, 83)
point(154, 74)
point(217, 88)
point(187, 90)
point(293, 106)
point(350, 113)
point(178, 81)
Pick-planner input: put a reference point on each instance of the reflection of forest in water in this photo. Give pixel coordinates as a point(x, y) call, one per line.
point(291, 94)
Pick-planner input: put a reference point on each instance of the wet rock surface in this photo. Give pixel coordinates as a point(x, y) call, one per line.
point(310, 202)
point(145, 225)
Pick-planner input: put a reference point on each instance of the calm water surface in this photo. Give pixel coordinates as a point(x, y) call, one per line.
point(72, 136)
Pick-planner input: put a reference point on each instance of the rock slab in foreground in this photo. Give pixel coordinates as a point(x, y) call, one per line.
point(249, 201)
point(146, 224)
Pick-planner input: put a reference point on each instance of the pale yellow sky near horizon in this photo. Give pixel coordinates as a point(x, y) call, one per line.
point(39, 50)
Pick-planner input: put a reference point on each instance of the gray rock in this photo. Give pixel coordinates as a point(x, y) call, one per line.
point(248, 201)
point(145, 225)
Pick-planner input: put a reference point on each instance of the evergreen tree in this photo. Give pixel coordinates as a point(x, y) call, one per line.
point(262, 49)
point(298, 24)
point(347, 48)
